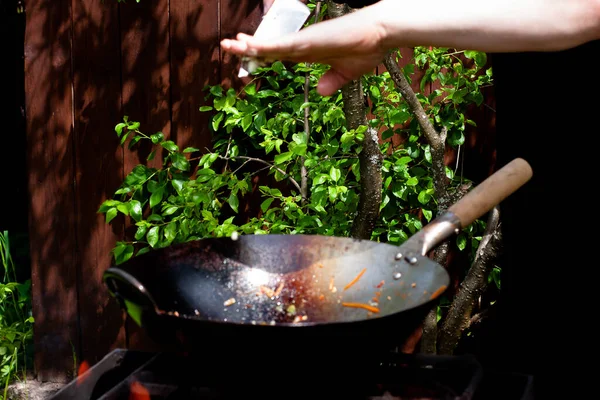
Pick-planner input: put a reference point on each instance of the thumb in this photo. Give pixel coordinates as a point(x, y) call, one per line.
point(330, 82)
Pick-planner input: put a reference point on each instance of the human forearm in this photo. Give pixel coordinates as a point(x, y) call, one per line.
point(492, 26)
point(355, 43)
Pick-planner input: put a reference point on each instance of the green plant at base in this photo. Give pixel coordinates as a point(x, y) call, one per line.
point(16, 321)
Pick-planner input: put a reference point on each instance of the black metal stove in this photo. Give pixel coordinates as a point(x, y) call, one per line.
point(135, 375)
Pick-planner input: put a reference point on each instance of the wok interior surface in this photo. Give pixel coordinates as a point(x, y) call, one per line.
point(278, 280)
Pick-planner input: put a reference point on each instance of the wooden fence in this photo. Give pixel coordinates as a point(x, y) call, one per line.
point(87, 64)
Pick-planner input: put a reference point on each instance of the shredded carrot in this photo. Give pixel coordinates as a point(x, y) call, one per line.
point(278, 290)
point(229, 302)
point(361, 305)
point(438, 292)
point(268, 291)
point(322, 297)
point(380, 284)
point(348, 286)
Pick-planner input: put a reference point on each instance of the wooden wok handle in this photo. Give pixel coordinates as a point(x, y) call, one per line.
point(492, 191)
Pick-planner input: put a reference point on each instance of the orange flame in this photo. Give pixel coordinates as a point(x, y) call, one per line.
point(83, 367)
point(137, 391)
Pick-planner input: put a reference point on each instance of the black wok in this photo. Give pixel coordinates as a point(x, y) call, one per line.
point(276, 288)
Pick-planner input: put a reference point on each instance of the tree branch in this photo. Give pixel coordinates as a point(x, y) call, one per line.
point(370, 157)
point(259, 160)
point(477, 318)
point(227, 152)
point(437, 140)
point(429, 336)
point(459, 315)
point(303, 170)
point(409, 95)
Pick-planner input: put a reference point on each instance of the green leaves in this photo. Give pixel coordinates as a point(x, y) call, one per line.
point(156, 196)
point(246, 122)
point(170, 146)
point(479, 57)
point(152, 236)
point(141, 231)
point(135, 210)
point(157, 137)
point(216, 121)
point(283, 157)
point(16, 324)
point(122, 252)
point(179, 161)
point(259, 139)
point(250, 89)
point(233, 202)
point(335, 174)
point(425, 196)
point(111, 213)
point(170, 232)
point(264, 206)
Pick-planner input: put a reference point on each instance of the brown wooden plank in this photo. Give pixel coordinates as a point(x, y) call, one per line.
point(242, 16)
point(237, 16)
point(194, 28)
point(50, 183)
point(14, 201)
point(146, 86)
point(99, 169)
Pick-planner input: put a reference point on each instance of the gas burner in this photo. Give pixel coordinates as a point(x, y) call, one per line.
point(135, 375)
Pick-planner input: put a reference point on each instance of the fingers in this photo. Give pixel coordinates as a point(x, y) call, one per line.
point(338, 37)
point(330, 82)
point(309, 44)
point(243, 37)
point(281, 48)
point(235, 46)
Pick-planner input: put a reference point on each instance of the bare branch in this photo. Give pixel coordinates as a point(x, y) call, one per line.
point(240, 167)
point(403, 86)
point(260, 170)
point(227, 151)
point(303, 170)
point(259, 160)
point(370, 157)
point(429, 337)
point(459, 314)
point(437, 140)
point(477, 318)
